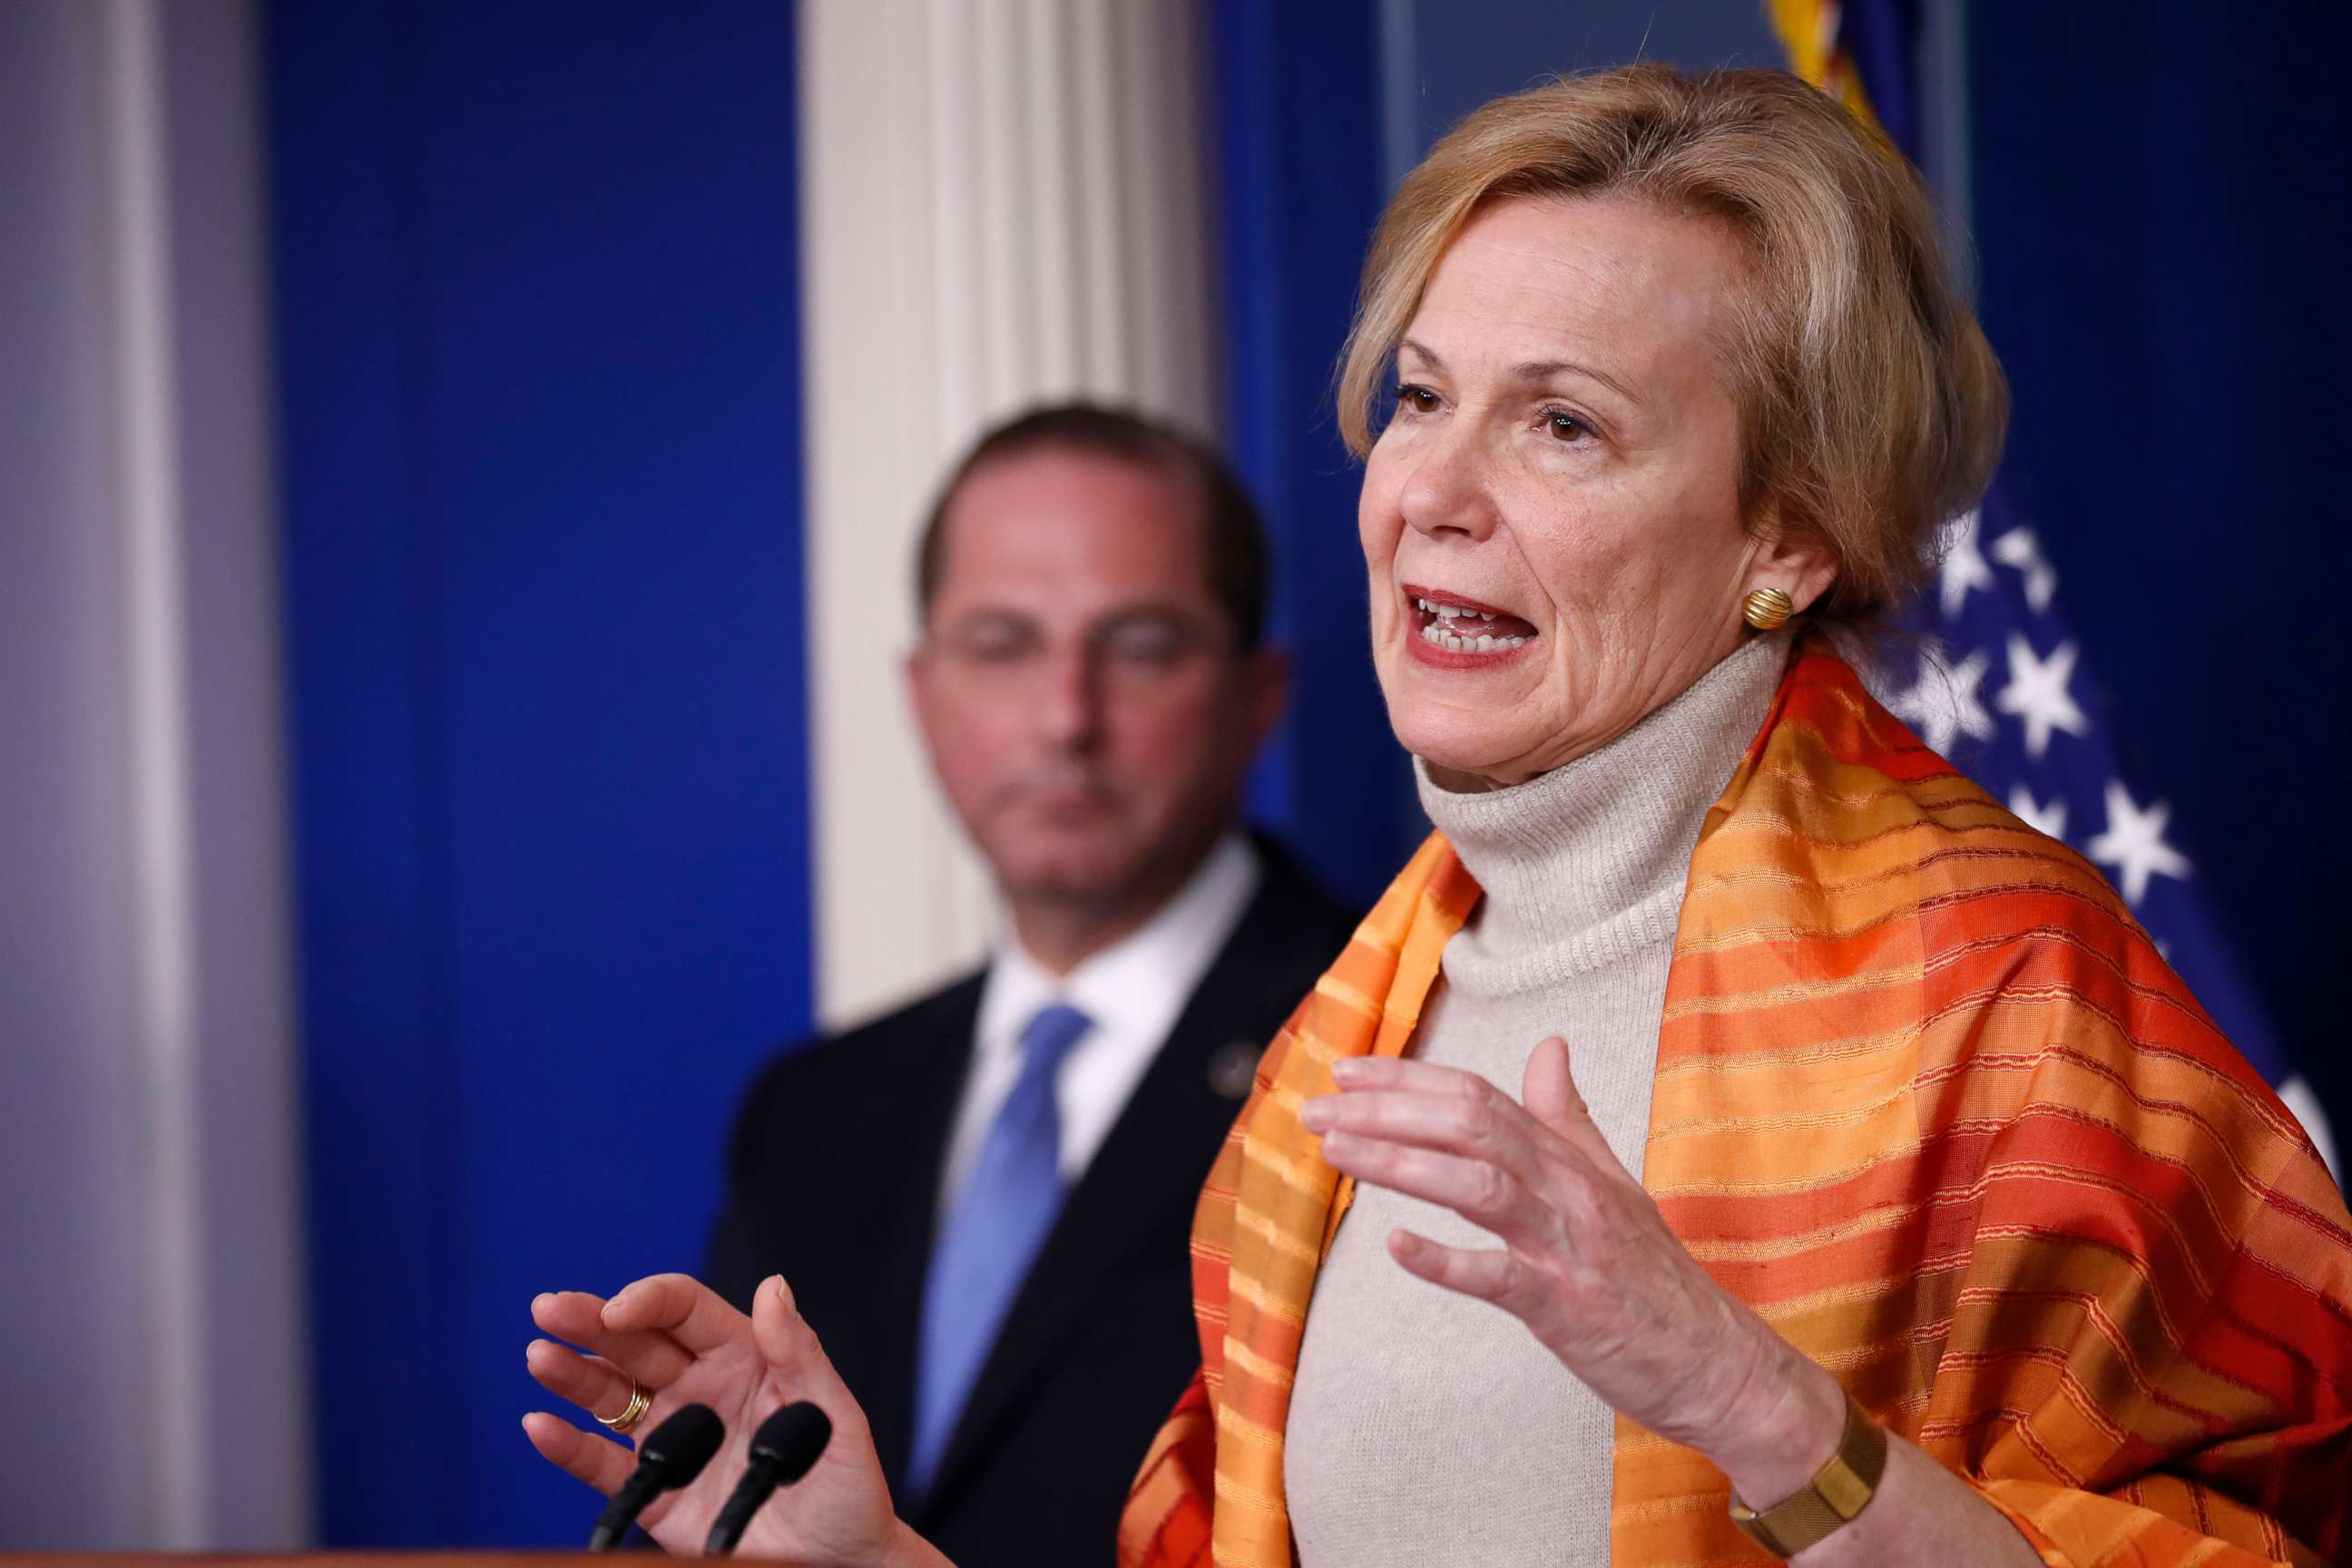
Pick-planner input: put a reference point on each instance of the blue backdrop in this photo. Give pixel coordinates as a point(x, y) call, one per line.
point(1296, 118)
point(537, 315)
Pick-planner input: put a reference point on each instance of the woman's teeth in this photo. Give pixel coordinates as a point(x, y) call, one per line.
point(1436, 633)
point(1442, 631)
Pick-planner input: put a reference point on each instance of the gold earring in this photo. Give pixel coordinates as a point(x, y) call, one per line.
point(1767, 609)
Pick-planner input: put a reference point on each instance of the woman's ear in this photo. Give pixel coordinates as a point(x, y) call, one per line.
point(1798, 561)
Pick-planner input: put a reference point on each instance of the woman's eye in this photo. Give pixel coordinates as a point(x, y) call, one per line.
point(1419, 399)
point(1566, 428)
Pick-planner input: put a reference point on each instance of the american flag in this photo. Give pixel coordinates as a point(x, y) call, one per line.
point(1997, 681)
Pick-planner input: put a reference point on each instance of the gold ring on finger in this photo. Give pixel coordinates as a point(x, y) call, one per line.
point(632, 1413)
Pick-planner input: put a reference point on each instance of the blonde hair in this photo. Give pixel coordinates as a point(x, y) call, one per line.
point(1871, 407)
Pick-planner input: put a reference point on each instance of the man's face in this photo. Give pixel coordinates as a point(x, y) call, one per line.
point(1077, 685)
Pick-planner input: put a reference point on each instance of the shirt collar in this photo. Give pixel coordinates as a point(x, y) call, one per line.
point(1135, 986)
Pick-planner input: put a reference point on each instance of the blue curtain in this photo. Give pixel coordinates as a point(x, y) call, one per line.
point(537, 318)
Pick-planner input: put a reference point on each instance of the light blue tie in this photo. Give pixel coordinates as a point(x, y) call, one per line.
point(984, 1251)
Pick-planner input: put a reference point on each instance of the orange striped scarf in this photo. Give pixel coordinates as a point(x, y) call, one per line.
point(1927, 1099)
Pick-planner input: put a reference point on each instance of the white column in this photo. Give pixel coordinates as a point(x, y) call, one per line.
point(155, 1298)
point(1001, 203)
point(153, 626)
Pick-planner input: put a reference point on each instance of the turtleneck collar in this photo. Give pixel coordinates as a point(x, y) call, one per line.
point(1584, 865)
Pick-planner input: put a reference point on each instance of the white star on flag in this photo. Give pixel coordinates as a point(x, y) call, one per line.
point(2019, 549)
point(2048, 818)
point(2134, 844)
point(1964, 565)
point(1943, 706)
point(2037, 693)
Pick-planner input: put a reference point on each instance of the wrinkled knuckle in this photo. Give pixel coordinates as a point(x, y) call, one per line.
point(1490, 1189)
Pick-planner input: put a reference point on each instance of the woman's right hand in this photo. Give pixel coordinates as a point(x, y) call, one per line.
point(683, 1346)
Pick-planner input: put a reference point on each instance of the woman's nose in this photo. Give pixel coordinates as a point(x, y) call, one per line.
point(1451, 490)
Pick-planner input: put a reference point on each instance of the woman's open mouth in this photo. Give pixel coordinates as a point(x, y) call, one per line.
point(1457, 633)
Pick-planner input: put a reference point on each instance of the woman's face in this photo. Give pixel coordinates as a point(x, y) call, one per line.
point(1551, 519)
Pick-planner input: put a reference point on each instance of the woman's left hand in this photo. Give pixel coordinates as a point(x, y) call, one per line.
point(1587, 1261)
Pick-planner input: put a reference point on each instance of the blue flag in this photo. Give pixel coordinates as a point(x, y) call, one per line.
point(1999, 684)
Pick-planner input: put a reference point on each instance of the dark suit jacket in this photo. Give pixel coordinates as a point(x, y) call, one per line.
point(835, 1182)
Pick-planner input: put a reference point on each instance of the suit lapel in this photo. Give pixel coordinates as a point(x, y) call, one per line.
point(1171, 1122)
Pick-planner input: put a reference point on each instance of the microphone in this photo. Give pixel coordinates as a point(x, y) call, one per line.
point(782, 1449)
point(672, 1454)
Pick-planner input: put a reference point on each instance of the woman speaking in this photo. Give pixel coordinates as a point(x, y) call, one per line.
point(1733, 1133)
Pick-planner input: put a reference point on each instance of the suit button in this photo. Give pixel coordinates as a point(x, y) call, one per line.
point(1233, 1068)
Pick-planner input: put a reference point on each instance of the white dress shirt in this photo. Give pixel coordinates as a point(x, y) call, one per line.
point(1132, 991)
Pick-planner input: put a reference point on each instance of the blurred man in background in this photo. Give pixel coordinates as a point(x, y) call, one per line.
point(982, 1199)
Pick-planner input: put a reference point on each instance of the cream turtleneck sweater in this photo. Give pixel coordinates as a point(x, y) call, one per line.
point(1427, 1428)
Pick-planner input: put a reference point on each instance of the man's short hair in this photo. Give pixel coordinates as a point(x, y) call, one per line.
point(1233, 535)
